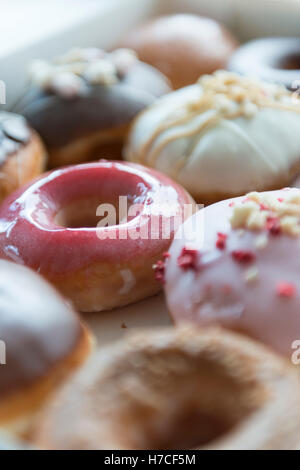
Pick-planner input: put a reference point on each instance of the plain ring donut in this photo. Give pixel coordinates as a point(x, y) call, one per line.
point(52, 226)
point(177, 389)
point(272, 59)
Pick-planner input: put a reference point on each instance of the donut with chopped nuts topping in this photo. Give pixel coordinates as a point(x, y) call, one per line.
point(222, 137)
point(82, 103)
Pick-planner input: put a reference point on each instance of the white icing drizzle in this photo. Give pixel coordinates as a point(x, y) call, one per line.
point(226, 133)
point(229, 96)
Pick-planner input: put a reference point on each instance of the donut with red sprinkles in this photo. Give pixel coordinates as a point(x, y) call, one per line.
point(245, 262)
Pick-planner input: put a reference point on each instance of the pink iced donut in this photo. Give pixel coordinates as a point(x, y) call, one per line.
point(53, 226)
point(237, 264)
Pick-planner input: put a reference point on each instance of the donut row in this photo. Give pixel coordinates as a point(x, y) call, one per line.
point(234, 274)
point(99, 234)
point(226, 135)
point(83, 102)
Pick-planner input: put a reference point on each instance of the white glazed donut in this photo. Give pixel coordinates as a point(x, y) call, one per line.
point(222, 137)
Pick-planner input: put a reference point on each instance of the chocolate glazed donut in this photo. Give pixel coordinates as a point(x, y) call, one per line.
point(84, 111)
point(22, 154)
point(42, 342)
point(271, 59)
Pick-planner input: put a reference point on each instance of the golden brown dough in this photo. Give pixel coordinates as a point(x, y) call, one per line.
point(177, 389)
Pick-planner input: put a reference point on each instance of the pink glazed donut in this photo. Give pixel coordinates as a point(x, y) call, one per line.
point(55, 227)
point(237, 264)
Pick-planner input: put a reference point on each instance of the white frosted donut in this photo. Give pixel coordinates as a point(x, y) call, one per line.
point(221, 137)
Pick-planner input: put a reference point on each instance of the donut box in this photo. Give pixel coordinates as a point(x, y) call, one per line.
point(244, 18)
point(133, 323)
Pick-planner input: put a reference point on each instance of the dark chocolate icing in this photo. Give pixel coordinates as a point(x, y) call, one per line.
point(14, 132)
point(272, 59)
point(38, 328)
point(59, 120)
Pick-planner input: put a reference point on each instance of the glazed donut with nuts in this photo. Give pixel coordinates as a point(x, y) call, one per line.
point(54, 227)
point(222, 137)
point(43, 342)
point(82, 103)
point(240, 268)
point(177, 389)
point(22, 154)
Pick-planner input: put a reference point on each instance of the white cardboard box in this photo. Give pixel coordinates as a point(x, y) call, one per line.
point(33, 29)
point(39, 29)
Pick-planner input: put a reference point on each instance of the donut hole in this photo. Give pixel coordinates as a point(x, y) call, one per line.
point(174, 401)
point(290, 62)
point(89, 212)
